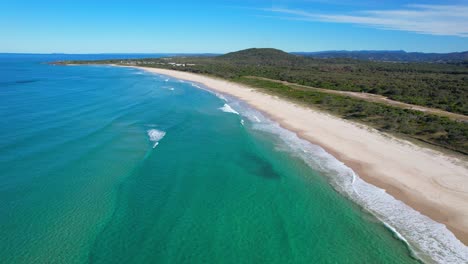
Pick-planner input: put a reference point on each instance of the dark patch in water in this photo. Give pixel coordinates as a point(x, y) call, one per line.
point(261, 167)
point(19, 82)
point(27, 81)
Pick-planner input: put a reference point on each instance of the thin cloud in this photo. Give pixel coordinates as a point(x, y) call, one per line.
point(444, 20)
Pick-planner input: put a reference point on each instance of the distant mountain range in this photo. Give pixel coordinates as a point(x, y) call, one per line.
point(390, 55)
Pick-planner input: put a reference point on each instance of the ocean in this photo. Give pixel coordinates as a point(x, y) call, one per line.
point(102, 164)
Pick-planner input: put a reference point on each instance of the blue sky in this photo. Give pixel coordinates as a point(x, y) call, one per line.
point(144, 26)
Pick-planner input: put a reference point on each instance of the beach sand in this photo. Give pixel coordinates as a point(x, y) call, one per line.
point(429, 181)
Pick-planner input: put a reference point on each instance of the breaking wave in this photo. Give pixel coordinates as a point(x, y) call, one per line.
point(155, 136)
point(228, 109)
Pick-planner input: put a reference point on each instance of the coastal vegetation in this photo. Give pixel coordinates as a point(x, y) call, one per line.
point(390, 56)
point(437, 85)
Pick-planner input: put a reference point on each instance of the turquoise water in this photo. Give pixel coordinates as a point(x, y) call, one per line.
point(115, 165)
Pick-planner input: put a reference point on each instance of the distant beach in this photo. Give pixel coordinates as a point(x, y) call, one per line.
point(432, 183)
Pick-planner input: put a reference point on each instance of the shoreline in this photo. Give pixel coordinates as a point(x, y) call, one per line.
point(426, 180)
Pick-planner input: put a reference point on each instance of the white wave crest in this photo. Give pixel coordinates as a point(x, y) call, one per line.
point(222, 97)
point(228, 109)
point(155, 136)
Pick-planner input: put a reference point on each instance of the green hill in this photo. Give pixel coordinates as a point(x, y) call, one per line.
point(264, 56)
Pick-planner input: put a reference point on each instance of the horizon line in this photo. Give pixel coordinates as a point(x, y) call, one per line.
point(220, 53)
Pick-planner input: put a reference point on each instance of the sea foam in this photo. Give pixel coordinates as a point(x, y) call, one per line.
point(155, 136)
point(428, 240)
point(228, 109)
